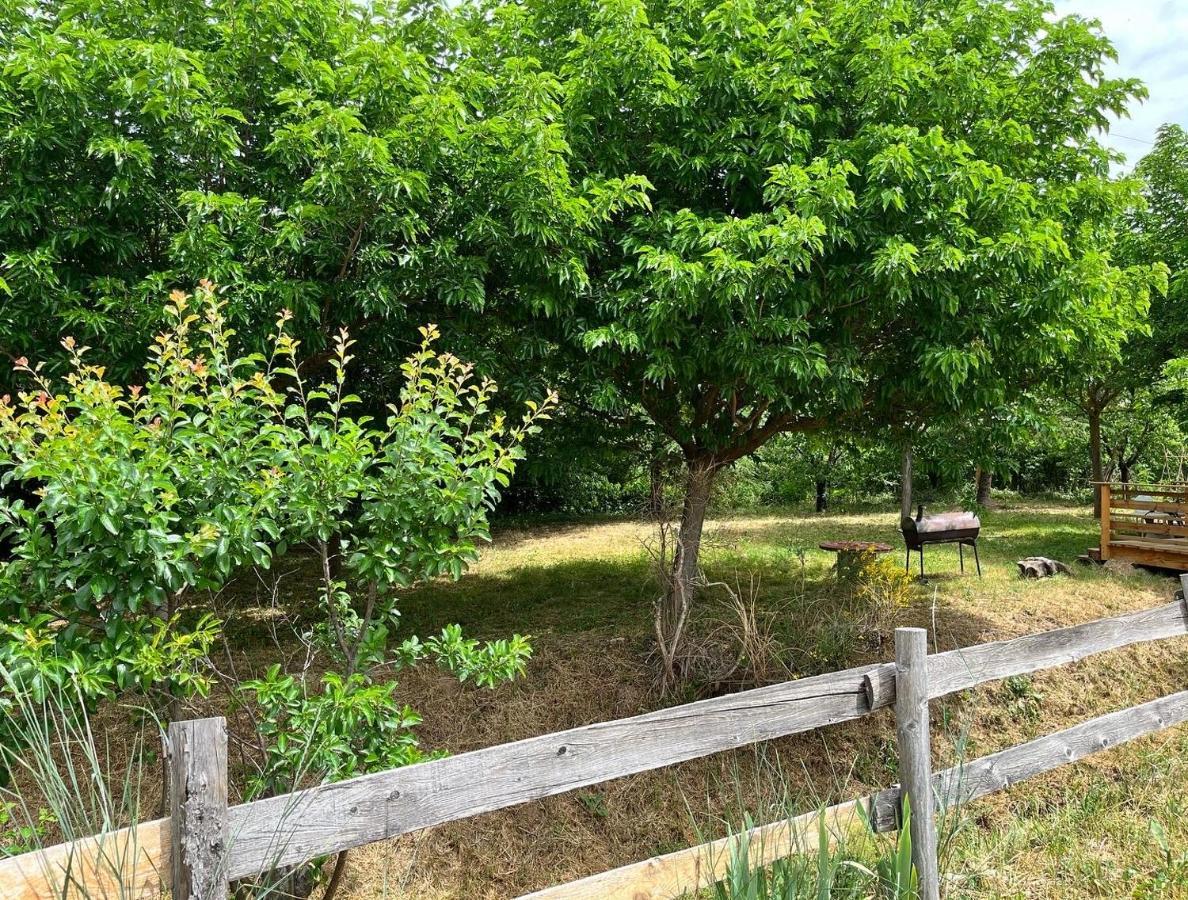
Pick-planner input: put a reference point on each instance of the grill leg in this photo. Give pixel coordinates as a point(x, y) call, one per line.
point(977, 561)
point(961, 557)
point(921, 561)
point(907, 561)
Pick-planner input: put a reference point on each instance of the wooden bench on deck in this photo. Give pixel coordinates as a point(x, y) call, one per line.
point(1145, 524)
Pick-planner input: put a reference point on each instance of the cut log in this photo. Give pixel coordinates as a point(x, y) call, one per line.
point(1041, 567)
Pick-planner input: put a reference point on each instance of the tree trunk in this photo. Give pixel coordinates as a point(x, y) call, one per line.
point(672, 610)
point(985, 482)
point(905, 484)
point(335, 876)
point(1124, 470)
point(698, 485)
point(822, 495)
point(1095, 468)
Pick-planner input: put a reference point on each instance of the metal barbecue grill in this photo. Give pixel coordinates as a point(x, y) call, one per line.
point(960, 528)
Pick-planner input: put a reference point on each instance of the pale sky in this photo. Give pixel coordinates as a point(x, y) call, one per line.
point(1151, 37)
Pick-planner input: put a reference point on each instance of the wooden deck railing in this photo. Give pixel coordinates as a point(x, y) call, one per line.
point(1145, 524)
point(205, 844)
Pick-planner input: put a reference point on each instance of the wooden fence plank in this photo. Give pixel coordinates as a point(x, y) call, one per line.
point(685, 871)
point(1129, 489)
point(967, 667)
point(369, 808)
point(1138, 515)
point(1147, 505)
point(1103, 513)
point(998, 771)
point(1165, 557)
point(1121, 528)
point(1159, 552)
point(129, 863)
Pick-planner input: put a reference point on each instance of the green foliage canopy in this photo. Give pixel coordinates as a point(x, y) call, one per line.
point(847, 207)
point(350, 162)
point(1161, 234)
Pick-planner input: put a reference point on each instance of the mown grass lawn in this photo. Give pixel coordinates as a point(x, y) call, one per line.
point(584, 591)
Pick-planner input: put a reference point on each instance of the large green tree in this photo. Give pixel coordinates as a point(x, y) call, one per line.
point(1161, 234)
point(1107, 385)
point(350, 162)
point(854, 209)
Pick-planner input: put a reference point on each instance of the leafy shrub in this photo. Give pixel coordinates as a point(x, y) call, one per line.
point(151, 498)
point(17, 836)
point(883, 589)
point(740, 487)
point(146, 497)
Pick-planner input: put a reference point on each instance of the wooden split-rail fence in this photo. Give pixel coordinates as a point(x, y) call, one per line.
point(205, 844)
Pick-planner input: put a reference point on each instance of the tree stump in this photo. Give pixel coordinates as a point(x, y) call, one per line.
point(1041, 567)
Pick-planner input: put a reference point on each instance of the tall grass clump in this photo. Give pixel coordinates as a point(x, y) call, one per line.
point(63, 785)
point(817, 872)
point(897, 876)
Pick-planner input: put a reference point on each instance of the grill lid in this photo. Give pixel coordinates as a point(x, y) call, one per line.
point(940, 523)
point(949, 521)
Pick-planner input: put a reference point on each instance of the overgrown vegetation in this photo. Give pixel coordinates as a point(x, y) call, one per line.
point(151, 499)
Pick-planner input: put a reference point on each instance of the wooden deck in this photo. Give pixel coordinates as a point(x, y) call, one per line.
point(1146, 524)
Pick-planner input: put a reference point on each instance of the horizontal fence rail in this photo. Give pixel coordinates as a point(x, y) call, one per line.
point(128, 863)
point(294, 828)
point(998, 771)
point(369, 808)
point(685, 871)
point(960, 670)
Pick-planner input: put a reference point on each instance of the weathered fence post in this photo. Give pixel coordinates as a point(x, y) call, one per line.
point(198, 808)
point(915, 752)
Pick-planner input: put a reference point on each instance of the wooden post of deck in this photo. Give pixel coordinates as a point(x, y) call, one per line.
point(915, 752)
point(199, 823)
point(1104, 492)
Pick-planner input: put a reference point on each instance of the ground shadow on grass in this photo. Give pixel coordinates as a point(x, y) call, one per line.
point(564, 596)
point(581, 605)
point(585, 580)
point(578, 577)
